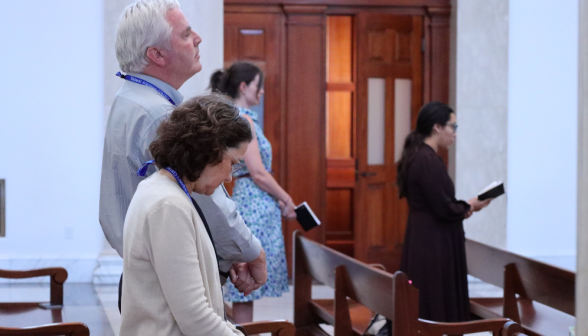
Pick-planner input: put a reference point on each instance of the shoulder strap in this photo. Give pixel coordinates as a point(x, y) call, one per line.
point(224, 275)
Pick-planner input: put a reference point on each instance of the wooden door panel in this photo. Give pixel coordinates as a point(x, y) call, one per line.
point(340, 115)
point(339, 123)
point(257, 38)
point(389, 48)
point(252, 44)
point(375, 197)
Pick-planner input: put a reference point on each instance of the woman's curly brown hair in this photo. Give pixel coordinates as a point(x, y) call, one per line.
point(197, 134)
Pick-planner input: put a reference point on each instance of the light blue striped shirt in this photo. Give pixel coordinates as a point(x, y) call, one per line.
point(134, 117)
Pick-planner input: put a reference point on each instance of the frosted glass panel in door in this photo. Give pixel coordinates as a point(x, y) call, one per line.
point(376, 120)
point(402, 98)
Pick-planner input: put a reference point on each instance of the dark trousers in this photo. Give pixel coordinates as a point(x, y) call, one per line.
point(119, 293)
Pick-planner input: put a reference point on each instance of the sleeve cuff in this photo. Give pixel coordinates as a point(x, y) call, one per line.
point(253, 251)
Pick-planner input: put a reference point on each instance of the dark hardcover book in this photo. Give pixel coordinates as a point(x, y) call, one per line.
point(306, 217)
point(494, 190)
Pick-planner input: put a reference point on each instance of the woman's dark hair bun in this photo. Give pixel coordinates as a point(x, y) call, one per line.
point(218, 81)
point(228, 81)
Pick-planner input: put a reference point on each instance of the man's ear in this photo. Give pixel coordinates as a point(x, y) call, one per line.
point(156, 56)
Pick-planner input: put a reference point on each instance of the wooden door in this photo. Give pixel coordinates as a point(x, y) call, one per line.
point(340, 129)
point(257, 38)
point(389, 94)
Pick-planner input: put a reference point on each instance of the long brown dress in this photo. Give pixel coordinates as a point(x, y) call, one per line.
point(433, 254)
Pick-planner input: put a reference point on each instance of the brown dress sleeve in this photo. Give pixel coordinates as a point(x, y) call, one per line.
point(438, 189)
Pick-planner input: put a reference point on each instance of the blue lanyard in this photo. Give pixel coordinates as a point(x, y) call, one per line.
point(146, 83)
point(143, 171)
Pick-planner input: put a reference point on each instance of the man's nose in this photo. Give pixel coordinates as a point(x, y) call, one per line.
point(197, 39)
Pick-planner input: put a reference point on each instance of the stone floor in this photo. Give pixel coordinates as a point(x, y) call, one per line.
point(97, 305)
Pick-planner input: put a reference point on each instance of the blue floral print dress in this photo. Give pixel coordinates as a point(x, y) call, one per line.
point(262, 215)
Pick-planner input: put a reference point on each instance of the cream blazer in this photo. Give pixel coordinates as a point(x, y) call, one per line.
point(171, 283)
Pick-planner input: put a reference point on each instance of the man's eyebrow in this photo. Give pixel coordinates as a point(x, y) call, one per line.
point(188, 29)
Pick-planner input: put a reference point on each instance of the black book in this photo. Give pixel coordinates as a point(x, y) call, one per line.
point(494, 190)
point(306, 217)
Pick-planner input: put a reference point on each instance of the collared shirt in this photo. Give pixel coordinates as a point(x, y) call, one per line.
point(134, 117)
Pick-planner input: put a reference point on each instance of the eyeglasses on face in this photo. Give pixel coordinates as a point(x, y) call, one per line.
point(454, 126)
point(235, 167)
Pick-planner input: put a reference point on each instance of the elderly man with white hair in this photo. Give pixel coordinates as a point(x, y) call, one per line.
point(158, 52)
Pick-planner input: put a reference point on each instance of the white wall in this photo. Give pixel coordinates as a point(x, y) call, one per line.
point(582, 232)
point(50, 133)
point(542, 129)
point(481, 104)
point(206, 18)
point(57, 85)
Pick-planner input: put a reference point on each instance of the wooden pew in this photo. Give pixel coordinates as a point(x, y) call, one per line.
point(361, 285)
point(39, 313)
point(361, 290)
point(276, 328)
point(57, 329)
point(546, 294)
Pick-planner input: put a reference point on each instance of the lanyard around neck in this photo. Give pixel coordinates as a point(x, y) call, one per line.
point(146, 83)
point(143, 171)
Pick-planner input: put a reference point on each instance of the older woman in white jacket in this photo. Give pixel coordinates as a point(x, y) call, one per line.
point(171, 281)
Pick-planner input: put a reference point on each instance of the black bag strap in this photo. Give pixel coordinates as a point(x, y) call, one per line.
point(223, 274)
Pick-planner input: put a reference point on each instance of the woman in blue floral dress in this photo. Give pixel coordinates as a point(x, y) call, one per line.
point(258, 196)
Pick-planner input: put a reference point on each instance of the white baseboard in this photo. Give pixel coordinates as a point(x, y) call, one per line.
point(109, 269)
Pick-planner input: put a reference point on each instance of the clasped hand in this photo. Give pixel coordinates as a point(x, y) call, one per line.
point(247, 277)
point(288, 209)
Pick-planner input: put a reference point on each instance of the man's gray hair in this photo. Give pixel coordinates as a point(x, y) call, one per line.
point(142, 24)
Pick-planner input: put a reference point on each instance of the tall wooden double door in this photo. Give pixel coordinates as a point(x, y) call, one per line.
point(343, 87)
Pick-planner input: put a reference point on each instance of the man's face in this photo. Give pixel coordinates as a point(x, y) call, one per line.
point(183, 60)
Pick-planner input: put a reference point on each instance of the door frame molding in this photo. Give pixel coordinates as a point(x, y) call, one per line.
point(312, 15)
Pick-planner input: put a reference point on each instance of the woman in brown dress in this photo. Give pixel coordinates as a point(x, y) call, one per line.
point(433, 254)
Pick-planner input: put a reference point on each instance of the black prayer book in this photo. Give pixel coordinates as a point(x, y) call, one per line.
point(493, 190)
point(306, 217)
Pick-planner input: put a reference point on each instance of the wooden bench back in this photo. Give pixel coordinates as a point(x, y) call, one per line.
point(400, 304)
point(389, 295)
point(369, 286)
point(319, 262)
point(547, 284)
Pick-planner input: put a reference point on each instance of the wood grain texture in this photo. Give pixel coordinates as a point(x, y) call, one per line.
point(380, 217)
point(305, 106)
point(539, 296)
point(338, 221)
point(362, 290)
point(339, 49)
point(339, 124)
point(266, 51)
point(345, 2)
point(56, 329)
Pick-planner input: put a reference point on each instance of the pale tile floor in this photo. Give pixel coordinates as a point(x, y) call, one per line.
point(264, 309)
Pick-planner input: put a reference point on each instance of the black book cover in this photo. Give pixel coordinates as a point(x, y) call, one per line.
point(494, 190)
point(306, 217)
